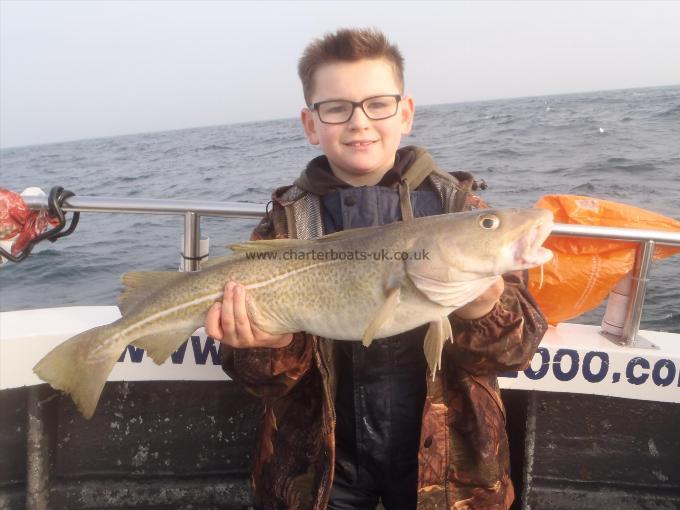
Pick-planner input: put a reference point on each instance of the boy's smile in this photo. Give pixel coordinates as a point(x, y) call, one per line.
point(360, 150)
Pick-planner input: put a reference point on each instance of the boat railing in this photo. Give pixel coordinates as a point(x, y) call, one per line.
point(193, 210)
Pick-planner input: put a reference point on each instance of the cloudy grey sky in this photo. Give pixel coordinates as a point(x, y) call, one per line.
point(73, 70)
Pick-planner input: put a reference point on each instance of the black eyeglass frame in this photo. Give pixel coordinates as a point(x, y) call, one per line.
point(360, 104)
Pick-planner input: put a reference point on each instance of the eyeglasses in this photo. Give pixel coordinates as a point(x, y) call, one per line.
point(339, 111)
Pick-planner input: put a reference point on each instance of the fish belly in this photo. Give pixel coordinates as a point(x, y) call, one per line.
point(347, 315)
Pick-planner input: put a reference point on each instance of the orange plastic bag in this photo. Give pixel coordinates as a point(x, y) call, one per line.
point(583, 271)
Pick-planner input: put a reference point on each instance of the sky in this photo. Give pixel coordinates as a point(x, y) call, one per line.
point(89, 69)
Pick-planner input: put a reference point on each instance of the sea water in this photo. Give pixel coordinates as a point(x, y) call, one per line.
point(620, 145)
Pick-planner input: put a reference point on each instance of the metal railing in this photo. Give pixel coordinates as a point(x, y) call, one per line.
point(647, 240)
point(192, 210)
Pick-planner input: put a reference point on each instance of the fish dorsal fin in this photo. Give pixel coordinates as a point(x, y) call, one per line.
point(139, 285)
point(213, 261)
point(353, 232)
point(282, 244)
point(266, 245)
point(452, 294)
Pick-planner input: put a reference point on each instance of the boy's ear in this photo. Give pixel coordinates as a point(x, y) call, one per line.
point(408, 110)
point(307, 119)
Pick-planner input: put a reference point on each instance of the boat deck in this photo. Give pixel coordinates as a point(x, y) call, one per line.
point(591, 425)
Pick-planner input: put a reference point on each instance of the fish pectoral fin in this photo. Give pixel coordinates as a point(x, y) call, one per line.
point(140, 285)
point(453, 294)
point(385, 312)
point(438, 332)
point(160, 346)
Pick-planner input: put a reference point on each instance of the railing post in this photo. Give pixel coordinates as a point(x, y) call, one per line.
point(40, 430)
point(192, 242)
point(643, 261)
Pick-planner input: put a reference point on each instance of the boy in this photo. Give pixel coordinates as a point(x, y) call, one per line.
point(345, 426)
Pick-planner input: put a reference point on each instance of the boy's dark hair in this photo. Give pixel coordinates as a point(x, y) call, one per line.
point(347, 45)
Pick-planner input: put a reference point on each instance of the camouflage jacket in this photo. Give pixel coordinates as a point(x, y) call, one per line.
point(464, 459)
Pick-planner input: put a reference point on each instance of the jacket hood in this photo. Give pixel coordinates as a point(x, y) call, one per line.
point(318, 178)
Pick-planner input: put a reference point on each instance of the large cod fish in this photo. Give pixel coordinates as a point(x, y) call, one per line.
point(357, 284)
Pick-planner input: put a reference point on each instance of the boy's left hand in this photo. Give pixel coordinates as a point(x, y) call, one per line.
point(228, 322)
point(484, 303)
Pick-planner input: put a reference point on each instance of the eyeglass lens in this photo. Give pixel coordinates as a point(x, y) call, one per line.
point(375, 108)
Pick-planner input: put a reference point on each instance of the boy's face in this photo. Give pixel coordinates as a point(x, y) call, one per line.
point(361, 150)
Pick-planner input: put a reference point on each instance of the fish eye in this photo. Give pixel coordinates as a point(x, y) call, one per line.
point(489, 221)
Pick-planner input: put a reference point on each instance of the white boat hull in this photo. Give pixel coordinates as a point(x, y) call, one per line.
point(572, 358)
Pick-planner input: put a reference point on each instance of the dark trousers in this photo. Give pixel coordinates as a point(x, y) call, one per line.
point(362, 486)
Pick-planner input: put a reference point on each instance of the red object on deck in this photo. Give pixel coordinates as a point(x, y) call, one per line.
point(18, 221)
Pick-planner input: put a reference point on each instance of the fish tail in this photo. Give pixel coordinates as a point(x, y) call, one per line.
point(80, 367)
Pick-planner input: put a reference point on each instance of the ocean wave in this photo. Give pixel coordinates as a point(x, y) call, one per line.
point(132, 178)
point(671, 112)
point(250, 194)
point(618, 165)
point(586, 188)
point(560, 170)
point(637, 167)
point(213, 147)
point(639, 195)
point(501, 153)
point(506, 120)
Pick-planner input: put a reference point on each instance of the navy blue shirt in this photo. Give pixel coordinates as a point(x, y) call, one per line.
point(380, 389)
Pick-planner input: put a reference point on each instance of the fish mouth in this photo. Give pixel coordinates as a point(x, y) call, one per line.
point(529, 250)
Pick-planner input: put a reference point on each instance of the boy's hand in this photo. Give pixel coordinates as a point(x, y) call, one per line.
point(228, 322)
point(484, 303)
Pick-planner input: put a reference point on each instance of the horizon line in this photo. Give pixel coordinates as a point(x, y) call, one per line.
point(237, 123)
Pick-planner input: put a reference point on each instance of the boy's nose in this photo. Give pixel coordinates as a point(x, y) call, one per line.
point(358, 118)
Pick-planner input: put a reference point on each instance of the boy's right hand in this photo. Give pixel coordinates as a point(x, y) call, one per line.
point(229, 323)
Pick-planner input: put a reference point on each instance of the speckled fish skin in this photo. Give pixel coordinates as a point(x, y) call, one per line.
point(431, 266)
